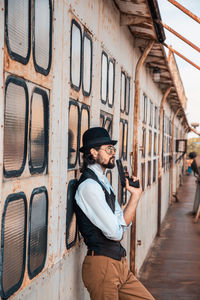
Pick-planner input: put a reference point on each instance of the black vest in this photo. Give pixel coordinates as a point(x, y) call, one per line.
point(93, 236)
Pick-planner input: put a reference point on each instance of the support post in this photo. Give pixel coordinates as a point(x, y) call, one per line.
point(135, 143)
point(160, 158)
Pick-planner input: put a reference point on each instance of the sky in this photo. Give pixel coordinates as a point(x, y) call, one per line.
point(190, 29)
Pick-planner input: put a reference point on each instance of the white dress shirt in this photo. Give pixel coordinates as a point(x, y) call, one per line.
point(90, 197)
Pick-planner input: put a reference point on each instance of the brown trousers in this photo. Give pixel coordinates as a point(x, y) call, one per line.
point(109, 279)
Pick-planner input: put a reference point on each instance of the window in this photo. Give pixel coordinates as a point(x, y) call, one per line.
point(38, 222)
point(18, 29)
point(149, 173)
point(42, 36)
point(13, 243)
point(144, 119)
point(80, 59)
point(143, 142)
point(127, 103)
point(143, 175)
point(71, 224)
point(111, 82)
point(75, 55)
point(154, 170)
point(15, 126)
point(73, 134)
point(87, 64)
point(123, 139)
point(106, 122)
point(38, 134)
point(84, 124)
point(156, 117)
point(155, 143)
point(150, 113)
point(78, 123)
point(150, 143)
point(107, 79)
point(123, 91)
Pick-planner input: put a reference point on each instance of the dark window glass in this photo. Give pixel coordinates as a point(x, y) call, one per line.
point(38, 222)
point(18, 25)
point(150, 113)
point(38, 137)
point(73, 134)
point(144, 119)
point(149, 173)
point(104, 77)
point(42, 36)
point(15, 126)
point(13, 243)
point(71, 224)
point(143, 176)
point(127, 105)
point(150, 143)
point(102, 120)
point(75, 55)
point(154, 170)
point(87, 64)
point(123, 92)
point(108, 125)
point(155, 117)
point(121, 126)
point(125, 140)
point(155, 143)
point(106, 122)
point(143, 142)
point(84, 124)
point(111, 82)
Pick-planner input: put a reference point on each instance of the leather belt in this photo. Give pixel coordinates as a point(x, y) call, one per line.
point(93, 253)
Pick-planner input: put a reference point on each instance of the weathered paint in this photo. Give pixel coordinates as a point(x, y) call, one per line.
point(61, 275)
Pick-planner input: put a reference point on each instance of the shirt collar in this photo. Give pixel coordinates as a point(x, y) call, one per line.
point(96, 168)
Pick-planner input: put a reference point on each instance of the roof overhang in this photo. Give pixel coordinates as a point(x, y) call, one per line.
point(141, 17)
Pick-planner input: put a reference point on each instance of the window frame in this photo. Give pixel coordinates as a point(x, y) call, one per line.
point(20, 82)
point(68, 219)
point(86, 35)
point(12, 54)
point(106, 55)
point(110, 60)
point(122, 110)
point(45, 99)
point(83, 107)
point(75, 103)
point(36, 191)
point(128, 95)
point(73, 86)
point(38, 68)
point(10, 198)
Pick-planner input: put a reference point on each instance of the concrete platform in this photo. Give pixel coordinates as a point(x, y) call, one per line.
point(172, 269)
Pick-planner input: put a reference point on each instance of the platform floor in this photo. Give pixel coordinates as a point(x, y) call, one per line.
point(172, 269)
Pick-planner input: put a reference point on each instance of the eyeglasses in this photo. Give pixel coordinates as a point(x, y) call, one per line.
point(109, 150)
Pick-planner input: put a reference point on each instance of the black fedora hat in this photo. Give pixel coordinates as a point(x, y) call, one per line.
point(95, 137)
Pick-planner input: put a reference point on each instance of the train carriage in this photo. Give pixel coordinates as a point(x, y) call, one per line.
point(66, 66)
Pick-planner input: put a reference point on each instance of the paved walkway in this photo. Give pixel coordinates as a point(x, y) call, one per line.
point(172, 270)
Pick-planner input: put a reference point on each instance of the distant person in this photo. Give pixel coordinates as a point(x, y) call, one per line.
point(102, 223)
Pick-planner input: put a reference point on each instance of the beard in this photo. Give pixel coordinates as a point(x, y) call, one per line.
point(109, 165)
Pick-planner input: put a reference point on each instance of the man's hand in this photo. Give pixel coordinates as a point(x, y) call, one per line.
point(130, 209)
point(135, 191)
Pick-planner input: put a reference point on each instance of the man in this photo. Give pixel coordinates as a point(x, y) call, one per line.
point(102, 223)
